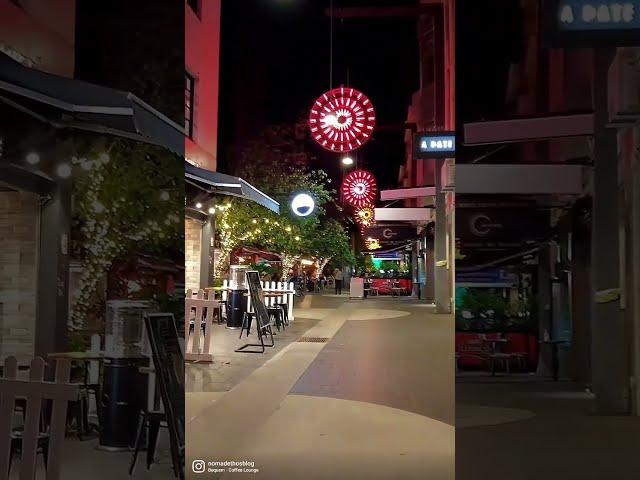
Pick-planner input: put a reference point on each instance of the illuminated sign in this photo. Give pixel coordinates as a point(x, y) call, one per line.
point(593, 23)
point(435, 145)
point(303, 205)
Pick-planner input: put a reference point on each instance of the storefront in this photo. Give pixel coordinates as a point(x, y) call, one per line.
point(48, 113)
point(204, 191)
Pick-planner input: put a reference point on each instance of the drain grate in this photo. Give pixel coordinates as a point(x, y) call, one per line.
point(313, 339)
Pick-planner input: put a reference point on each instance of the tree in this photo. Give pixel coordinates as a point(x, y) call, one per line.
point(277, 164)
point(329, 242)
point(127, 198)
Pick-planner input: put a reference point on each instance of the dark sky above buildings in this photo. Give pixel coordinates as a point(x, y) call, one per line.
point(275, 63)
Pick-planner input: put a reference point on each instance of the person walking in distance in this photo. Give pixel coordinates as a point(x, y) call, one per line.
point(338, 277)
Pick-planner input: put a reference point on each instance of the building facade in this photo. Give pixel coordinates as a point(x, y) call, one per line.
point(202, 56)
point(39, 34)
point(567, 113)
point(432, 109)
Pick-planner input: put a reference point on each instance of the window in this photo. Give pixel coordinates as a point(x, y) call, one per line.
point(195, 6)
point(189, 87)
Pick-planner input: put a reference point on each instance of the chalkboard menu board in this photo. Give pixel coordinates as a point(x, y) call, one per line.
point(168, 360)
point(257, 299)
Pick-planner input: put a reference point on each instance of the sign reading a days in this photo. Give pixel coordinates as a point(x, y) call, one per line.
point(435, 145)
point(579, 15)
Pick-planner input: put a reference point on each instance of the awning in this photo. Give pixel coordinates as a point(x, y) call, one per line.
point(69, 103)
point(402, 193)
point(518, 179)
point(220, 183)
point(18, 177)
point(516, 130)
point(419, 215)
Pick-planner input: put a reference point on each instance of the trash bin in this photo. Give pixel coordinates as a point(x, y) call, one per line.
point(237, 308)
point(237, 295)
point(123, 396)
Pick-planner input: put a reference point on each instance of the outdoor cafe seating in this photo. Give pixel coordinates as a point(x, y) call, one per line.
point(494, 351)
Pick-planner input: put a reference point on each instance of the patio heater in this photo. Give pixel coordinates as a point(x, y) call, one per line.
point(124, 390)
point(237, 295)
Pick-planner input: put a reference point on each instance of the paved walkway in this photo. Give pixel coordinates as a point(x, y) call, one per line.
point(526, 428)
point(375, 401)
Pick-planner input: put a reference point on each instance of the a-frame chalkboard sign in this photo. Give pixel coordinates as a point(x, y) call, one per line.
point(262, 315)
point(168, 360)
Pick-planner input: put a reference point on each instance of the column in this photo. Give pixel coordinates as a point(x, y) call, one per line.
point(206, 252)
point(634, 294)
point(610, 371)
point(543, 307)
point(52, 311)
point(441, 281)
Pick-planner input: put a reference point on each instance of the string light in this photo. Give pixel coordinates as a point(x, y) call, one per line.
point(32, 158)
point(64, 170)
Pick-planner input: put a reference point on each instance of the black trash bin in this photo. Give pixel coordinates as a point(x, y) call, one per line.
point(124, 395)
point(237, 308)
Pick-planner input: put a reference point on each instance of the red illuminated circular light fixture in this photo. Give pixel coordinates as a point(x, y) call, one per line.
point(359, 188)
point(342, 119)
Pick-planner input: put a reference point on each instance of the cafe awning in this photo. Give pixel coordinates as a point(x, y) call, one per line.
point(223, 184)
point(68, 103)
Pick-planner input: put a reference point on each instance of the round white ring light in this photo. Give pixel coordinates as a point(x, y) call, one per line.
point(303, 205)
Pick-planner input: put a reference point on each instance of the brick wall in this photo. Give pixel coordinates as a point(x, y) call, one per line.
point(18, 278)
point(192, 239)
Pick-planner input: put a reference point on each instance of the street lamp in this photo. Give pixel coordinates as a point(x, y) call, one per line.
point(347, 161)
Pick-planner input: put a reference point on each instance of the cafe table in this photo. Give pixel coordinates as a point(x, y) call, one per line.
point(85, 358)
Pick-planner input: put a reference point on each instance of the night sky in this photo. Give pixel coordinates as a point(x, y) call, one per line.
point(488, 39)
point(275, 63)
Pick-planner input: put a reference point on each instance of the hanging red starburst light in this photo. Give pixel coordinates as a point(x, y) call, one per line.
point(342, 119)
point(359, 188)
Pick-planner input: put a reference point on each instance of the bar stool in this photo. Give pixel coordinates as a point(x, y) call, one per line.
point(285, 312)
point(222, 304)
point(246, 322)
point(153, 420)
point(276, 313)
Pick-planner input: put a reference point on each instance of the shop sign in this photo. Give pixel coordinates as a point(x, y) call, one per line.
point(477, 226)
point(593, 23)
point(303, 204)
point(435, 145)
point(390, 235)
point(489, 277)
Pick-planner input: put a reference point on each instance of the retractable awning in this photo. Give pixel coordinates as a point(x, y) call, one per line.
point(69, 103)
point(220, 183)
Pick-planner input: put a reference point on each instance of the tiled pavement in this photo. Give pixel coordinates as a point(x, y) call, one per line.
point(354, 407)
point(229, 367)
point(558, 436)
point(81, 461)
point(399, 357)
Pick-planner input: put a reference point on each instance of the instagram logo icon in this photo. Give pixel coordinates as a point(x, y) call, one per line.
point(198, 466)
